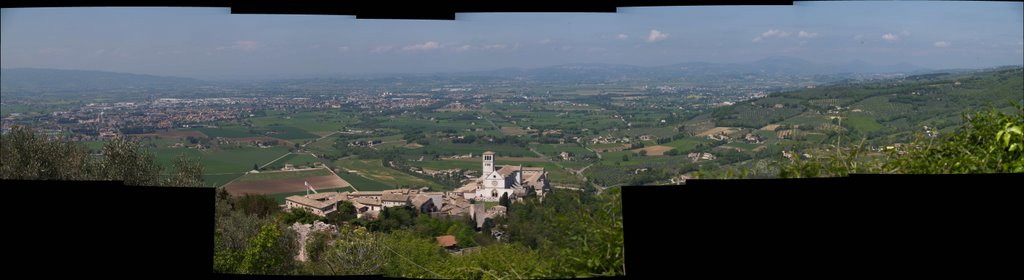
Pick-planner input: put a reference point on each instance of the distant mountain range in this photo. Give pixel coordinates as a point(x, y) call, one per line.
point(33, 80)
point(787, 66)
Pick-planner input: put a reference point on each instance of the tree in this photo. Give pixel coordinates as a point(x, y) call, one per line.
point(270, 252)
point(255, 166)
point(297, 215)
point(346, 212)
point(256, 204)
point(978, 147)
point(355, 252)
point(625, 157)
point(188, 172)
point(504, 200)
point(672, 152)
point(643, 152)
point(28, 156)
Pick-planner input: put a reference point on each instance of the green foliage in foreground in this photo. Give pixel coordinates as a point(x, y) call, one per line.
point(990, 142)
point(26, 155)
point(568, 234)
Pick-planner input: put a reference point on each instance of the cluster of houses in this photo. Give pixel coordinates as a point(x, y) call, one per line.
point(511, 181)
point(694, 157)
point(364, 144)
point(609, 139)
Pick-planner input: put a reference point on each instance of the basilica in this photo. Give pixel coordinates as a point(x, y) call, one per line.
point(511, 180)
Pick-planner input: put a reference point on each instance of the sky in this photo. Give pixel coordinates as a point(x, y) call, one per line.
point(211, 43)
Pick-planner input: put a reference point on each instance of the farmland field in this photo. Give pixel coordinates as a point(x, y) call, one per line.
point(278, 175)
point(308, 121)
point(554, 149)
point(686, 144)
point(374, 170)
point(363, 184)
point(220, 179)
point(226, 132)
point(272, 185)
point(222, 161)
point(864, 123)
point(656, 150)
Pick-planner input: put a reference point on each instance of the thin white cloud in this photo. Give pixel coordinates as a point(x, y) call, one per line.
point(545, 41)
point(317, 46)
point(941, 44)
point(247, 46)
point(656, 36)
point(343, 49)
point(463, 48)
point(495, 47)
point(422, 47)
point(621, 36)
point(775, 33)
point(805, 34)
point(890, 37)
point(381, 49)
point(772, 33)
point(905, 33)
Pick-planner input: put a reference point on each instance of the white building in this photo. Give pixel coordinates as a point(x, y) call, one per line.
point(510, 180)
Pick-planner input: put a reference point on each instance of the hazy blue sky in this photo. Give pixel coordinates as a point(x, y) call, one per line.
point(212, 43)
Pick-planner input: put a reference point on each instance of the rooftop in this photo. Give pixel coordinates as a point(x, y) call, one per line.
point(446, 241)
point(318, 200)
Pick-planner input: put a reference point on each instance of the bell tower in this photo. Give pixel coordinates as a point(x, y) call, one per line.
point(488, 158)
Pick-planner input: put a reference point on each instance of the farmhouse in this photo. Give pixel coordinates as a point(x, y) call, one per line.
point(510, 180)
point(320, 204)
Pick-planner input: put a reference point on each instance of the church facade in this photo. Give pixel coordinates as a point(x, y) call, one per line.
point(512, 180)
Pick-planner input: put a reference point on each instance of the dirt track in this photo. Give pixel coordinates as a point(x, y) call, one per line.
point(657, 150)
point(285, 185)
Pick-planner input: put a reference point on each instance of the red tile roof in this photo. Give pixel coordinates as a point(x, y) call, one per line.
point(446, 240)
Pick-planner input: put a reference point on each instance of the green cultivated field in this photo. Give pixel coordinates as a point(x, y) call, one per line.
point(448, 164)
point(374, 170)
point(684, 145)
point(222, 161)
point(219, 180)
point(316, 122)
point(226, 132)
point(554, 149)
point(287, 132)
point(362, 183)
point(742, 145)
point(476, 149)
point(295, 159)
point(277, 175)
point(864, 123)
